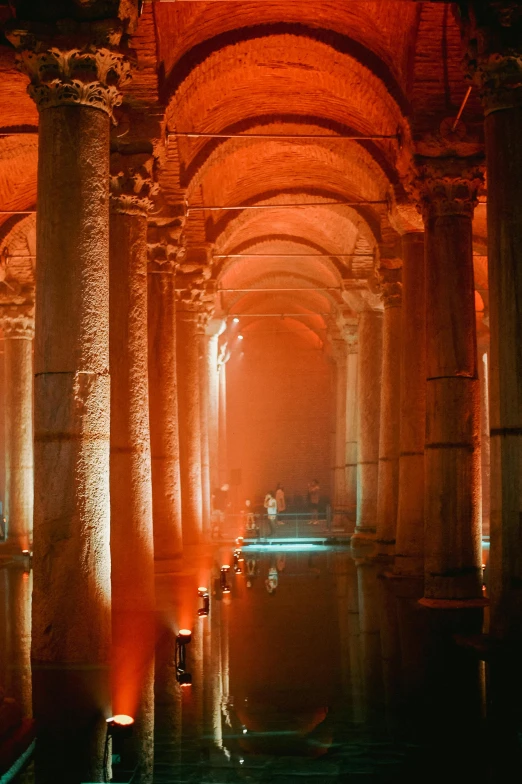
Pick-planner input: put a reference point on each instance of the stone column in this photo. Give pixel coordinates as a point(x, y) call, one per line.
point(193, 303)
point(132, 552)
point(73, 75)
point(409, 545)
point(339, 471)
point(18, 327)
point(163, 403)
point(389, 434)
point(494, 37)
point(483, 372)
point(204, 420)
point(368, 424)
point(350, 334)
point(448, 191)
point(187, 328)
point(214, 329)
point(222, 414)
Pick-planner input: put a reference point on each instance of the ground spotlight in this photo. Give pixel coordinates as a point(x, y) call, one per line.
point(28, 559)
point(119, 728)
point(237, 559)
point(235, 320)
point(205, 608)
point(225, 587)
point(240, 337)
point(183, 637)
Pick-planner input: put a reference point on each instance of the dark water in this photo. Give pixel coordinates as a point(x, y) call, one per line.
point(315, 667)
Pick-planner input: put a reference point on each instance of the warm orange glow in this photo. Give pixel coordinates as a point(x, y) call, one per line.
point(121, 719)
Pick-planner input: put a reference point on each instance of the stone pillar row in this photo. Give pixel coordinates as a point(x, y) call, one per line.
point(17, 323)
point(75, 72)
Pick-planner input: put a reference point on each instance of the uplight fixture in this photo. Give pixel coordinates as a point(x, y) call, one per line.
point(225, 587)
point(235, 320)
point(205, 608)
point(183, 638)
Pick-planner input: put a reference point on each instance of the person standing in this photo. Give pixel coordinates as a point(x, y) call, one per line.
point(280, 501)
point(313, 501)
point(270, 505)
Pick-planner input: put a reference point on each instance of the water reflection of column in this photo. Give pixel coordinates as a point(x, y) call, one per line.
point(368, 591)
point(167, 692)
point(18, 683)
point(349, 632)
point(390, 651)
point(216, 673)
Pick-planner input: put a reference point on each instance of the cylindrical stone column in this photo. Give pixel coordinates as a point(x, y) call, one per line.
point(368, 425)
point(189, 422)
point(214, 329)
point(351, 336)
point(494, 57)
point(339, 472)
point(163, 402)
point(389, 434)
point(222, 423)
point(18, 327)
point(409, 544)
point(483, 372)
point(74, 88)
point(448, 189)
point(132, 551)
point(204, 419)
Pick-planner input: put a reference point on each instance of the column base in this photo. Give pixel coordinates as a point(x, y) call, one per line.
point(168, 565)
point(453, 604)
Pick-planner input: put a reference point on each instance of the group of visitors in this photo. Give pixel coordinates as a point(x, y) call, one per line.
point(275, 506)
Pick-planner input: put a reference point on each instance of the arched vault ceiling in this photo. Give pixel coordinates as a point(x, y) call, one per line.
point(18, 162)
point(240, 169)
point(377, 31)
point(332, 228)
point(282, 73)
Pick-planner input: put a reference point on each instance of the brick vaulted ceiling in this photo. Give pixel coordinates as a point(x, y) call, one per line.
point(268, 67)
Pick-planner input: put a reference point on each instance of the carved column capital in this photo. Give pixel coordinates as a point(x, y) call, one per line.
point(350, 333)
point(17, 322)
point(194, 287)
point(391, 286)
point(164, 239)
point(72, 63)
point(492, 32)
point(131, 184)
point(448, 186)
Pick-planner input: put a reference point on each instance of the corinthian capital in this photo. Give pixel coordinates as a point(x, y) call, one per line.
point(72, 63)
point(350, 333)
point(492, 32)
point(17, 322)
point(448, 186)
point(391, 286)
point(131, 184)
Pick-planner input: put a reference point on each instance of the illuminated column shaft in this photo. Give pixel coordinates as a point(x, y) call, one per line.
point(132, 564)
point(389, 434)
point(71, 633)
point(223, 452)
point(350, 336)
point(163, 400)
point(483, 371)
point(213, 409)
point(368, 424)
point(452, 457)
point(409, 546)
point(18, 328)
point(189, 423)
point(339, 472)
point(494, 59)
point(204, 422)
